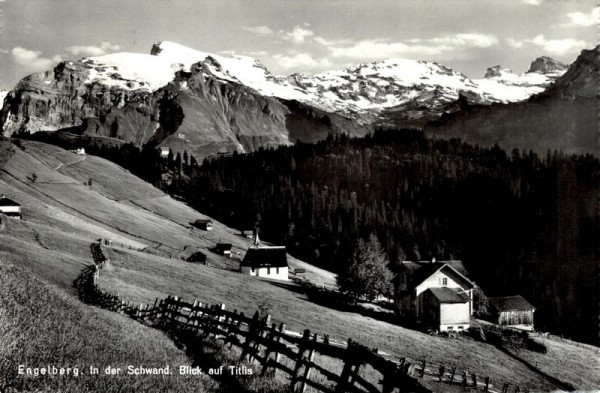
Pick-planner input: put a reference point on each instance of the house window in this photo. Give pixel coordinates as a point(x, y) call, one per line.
point(268, 270)
point(277, 270)
point(461, 327)
point(444, 281)
point(252, 270)
point(450, 327)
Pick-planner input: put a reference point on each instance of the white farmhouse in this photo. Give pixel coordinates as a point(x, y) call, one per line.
point(436, 293)
point(266, 262)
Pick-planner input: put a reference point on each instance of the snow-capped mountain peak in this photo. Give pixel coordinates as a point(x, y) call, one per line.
point(507, 86)
point(366, 87)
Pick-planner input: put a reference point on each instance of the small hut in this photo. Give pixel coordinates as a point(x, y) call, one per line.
point(512, 311)
point(164, 152)
point(224, 249)
point(204, 224)
point(9, 207)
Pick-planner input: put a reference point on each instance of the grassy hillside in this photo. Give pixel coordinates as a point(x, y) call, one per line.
point(41, 325)
point(63, 214)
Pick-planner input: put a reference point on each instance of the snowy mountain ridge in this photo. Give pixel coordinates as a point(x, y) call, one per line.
point(368, 87)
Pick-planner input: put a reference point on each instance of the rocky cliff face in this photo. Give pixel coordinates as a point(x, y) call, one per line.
point(547, 65)
point(564, 117)
point(200, 107)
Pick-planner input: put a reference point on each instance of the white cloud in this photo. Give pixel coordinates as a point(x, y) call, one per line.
point(256, 53)
point(298, 35)
point(560, 46)
point(466, 40)
point(382, 49)
point(92, 50)
point(300, 61)
point(31, 60)
point(556, 47)
point(581, 19)
point(416, 47)
point(532, 2)
point(515, 43)
point(262, 31)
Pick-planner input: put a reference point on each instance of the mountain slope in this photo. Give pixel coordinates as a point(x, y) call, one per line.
point(565, 116)
point(207, 104)
point(62, 216)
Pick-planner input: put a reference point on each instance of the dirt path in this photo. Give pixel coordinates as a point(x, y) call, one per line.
point(70, 163)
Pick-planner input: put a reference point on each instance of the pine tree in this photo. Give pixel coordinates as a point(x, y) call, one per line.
point(368, 274)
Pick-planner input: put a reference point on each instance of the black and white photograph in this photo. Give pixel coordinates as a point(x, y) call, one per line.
point(299, 196)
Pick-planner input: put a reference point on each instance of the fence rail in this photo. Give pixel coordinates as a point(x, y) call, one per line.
point(267, 344)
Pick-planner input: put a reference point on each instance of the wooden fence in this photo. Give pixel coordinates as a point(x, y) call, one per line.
point(273, 348)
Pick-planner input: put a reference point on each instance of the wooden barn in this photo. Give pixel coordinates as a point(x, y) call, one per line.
point(266, 262)
point(9, 207)
point(512, 311)
point(204, 224)
point(437, 293)
point(224, 249)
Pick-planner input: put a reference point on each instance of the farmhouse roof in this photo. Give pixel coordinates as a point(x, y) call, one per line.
point(511, 303)
point(7, 202)
point(265, 257)
point(449, 295)
point(421, 270)
point(203, 221)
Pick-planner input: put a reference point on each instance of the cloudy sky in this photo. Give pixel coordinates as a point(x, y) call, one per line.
point(299, 36)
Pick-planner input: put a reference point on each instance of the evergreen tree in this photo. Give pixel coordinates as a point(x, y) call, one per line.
point(368, 274)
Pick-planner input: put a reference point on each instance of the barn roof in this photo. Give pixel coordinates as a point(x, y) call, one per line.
point(203, 221)
point(511, 303)
point(8, 202)
point(265, 257)
point(449, 295)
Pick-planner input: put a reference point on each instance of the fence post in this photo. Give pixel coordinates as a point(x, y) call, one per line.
point(307, 365)
point(250, 335)
point(275, 340)
point(174, 311)
point(343, 385)
point(441, 372)
point(221, 316)
point(238, 329)
point(299, 359)
point(423, 364)
point(487, 384)
point(451, 381)
point(474, 379)
point(391, 376)
point(259, 335)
